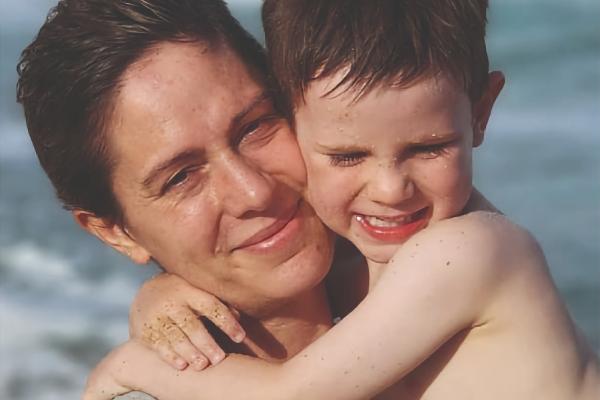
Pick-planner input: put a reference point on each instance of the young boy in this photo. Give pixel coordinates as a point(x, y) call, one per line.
point(388, 99)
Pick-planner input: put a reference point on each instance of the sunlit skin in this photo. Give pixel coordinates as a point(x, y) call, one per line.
point(209, 178)
point(384, 167)
point(202, 157)
point(464, 309)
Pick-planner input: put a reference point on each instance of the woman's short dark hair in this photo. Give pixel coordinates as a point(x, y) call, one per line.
point(70, 73)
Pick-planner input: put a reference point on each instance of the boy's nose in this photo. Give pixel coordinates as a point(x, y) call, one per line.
point(390, 186)
point(242, 187)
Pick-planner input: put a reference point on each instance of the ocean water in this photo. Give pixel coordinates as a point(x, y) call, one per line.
point(64, 297)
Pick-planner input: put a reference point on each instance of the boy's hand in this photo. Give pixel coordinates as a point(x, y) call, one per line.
point(164, 316)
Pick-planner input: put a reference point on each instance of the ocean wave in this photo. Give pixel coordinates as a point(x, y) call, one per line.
point(56, 319)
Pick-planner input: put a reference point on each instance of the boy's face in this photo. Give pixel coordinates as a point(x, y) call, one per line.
point(384, 166)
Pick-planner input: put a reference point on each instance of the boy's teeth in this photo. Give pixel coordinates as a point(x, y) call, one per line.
point(382, 223)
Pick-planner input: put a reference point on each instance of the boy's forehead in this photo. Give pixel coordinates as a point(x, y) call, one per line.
point(431, 106)
point(332, 88)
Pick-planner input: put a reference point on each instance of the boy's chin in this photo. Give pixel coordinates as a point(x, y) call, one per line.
point(380, 253)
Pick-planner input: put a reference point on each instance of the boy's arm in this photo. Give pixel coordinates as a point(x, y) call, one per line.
point(440, 283)
point(134, 367)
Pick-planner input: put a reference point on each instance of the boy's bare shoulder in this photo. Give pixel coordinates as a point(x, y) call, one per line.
point(483, 245)
point(485, 231)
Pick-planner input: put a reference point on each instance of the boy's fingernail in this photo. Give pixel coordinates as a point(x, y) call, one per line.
point(181, 363)
point(239, 336)
point(200, 363)
point(217, 357)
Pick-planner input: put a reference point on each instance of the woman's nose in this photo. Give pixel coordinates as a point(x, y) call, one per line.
point(243, 187)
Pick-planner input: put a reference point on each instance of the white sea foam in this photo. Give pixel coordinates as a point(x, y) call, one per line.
point(45, 271)
point(50, 317)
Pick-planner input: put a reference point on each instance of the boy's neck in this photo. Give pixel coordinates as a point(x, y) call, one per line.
point(286, 330)
point(375, 271)
point(477, 202)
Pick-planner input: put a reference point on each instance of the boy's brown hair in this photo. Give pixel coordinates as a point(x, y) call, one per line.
point(379, 41)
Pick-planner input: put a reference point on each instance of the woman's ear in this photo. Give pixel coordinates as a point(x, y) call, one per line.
point(112, 234)
point(482, 109)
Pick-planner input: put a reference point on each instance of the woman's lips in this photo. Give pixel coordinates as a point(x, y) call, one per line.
point(393, 229)
point(274, 235)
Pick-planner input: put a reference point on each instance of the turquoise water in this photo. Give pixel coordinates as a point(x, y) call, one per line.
point(64, 297)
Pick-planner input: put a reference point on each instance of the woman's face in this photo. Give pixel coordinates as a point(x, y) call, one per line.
point(209, 177)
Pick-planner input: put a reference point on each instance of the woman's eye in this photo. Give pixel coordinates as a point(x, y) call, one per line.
point(252, 127)
point(259, 131)
point(346, 160)
point(179, 179)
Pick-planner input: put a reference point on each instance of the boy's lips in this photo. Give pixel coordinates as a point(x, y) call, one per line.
point(395, 229)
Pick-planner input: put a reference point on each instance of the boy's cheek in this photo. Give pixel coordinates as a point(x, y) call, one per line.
point(330, 193)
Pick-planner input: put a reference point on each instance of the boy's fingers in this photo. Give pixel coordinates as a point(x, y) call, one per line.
point(223, 318)
point(199, 336)
point(236, 314)
point(170, 356)
point(159, 342)
point(182, 345)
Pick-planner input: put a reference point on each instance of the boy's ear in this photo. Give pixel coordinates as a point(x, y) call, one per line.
point(112, 234)
point(482, 109)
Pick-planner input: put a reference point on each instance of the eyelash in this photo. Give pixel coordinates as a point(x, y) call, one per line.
point(174, 182)
point(352, 159)
point(258, 129)
point(431, 151)
point(346, 160)
point(181, 177)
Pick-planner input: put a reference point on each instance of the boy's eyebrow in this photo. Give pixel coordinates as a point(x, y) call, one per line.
point(168, 163)
point(341, 149)
point(437, 137)
point(433, 138)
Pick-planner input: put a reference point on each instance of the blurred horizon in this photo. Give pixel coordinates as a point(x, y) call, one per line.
point(64, 296)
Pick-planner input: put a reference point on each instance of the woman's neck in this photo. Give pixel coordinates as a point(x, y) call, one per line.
point(285, 331)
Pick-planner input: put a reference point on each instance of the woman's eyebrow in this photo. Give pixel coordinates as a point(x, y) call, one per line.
point(255, 102)
point(156, 171)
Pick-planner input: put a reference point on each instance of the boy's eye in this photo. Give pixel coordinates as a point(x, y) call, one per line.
point(430, 151)
point(346, 160)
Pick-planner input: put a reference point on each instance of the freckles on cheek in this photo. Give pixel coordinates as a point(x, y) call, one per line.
point(330, 194)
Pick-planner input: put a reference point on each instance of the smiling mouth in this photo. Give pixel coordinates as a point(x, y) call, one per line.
point(393, 229)
point(270, 235)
